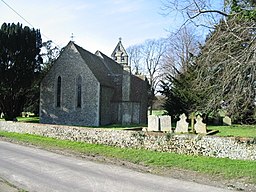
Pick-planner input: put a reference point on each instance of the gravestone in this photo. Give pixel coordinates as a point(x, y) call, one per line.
point(227, 121)
point(165, 123)
point(182, 124)
point(1, 115)
point(200, 127)
point(153, 123)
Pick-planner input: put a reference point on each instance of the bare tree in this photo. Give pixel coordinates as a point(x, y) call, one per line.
point(183, 45)
point(226, 62)
point(206, 13)
point(153, 52)
point(229, 68)
point(147, 59)
point(135, 58)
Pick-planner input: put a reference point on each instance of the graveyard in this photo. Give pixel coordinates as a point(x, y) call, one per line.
point(233, 130)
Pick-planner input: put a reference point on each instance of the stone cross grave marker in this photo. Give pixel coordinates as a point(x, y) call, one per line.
point(153, 123)
point(182, 124)
point(165, 123)
point(200, 127)
point(192, 117)
point(227, 121)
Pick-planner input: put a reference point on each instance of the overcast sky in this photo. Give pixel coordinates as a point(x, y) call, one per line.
point(96, 24)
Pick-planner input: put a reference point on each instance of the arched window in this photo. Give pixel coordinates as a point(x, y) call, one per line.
point(79, 92)
point(58, 98)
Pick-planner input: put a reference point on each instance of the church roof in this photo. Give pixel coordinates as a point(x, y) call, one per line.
point(101, 65)
point(113, 67)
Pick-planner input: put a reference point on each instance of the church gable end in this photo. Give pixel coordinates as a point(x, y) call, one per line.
point(70, 91)
point(89, 89)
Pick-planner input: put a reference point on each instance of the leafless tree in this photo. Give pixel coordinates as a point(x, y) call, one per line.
point(183, 45)
point(153, 52)
point(227, 61)
point(147, 59)
point(135, 58)
point(205, 13)
point(229, 67)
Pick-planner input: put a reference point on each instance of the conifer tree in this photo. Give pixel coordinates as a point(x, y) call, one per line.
point(20, 66)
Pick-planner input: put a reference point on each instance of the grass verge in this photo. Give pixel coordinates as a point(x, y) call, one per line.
point(218, 167)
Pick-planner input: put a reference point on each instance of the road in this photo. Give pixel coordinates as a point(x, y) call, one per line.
point(37, 170)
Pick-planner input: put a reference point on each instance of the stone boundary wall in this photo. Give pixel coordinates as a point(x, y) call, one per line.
point(228, 147)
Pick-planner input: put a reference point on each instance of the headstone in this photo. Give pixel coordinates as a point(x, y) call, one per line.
point(182, 124)
point(200, 127)
point(153, 123)
point(227, 121)
point(1, 115)
point(165, 123)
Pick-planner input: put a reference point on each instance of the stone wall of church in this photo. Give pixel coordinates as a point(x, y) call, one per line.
point(69, 66)
point(139, 94)
point(106, 110)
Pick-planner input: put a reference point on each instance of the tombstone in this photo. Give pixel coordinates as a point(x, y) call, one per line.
point(23, 114)
point(153, 123)
point(1, 115)
point(200, 127)
point(165, 123)
point(227, 121)
point(182, 124)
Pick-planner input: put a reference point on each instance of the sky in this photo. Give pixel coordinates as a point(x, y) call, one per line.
point(95, 24)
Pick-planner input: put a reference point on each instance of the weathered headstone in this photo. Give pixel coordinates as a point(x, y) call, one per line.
point(182, 124)
point(227, 121)
point(200, 127)
point(165, 123)
point(153, 123)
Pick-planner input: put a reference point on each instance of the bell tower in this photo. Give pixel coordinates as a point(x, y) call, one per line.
point(119, 54)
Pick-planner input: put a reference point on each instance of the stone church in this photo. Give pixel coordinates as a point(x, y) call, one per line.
point(83, 88)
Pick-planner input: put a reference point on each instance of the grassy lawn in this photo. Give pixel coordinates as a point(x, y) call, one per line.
point(224, 168)
point(236, 130)
point(158, 112)
point(28, 119)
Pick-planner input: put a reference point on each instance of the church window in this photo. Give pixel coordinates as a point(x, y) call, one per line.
point(79, 92)
point(58, 92)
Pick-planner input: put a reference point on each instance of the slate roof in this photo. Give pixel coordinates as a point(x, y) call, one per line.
point(113, 66)
point(102, 68)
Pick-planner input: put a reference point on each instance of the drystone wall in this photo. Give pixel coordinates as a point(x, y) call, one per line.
point(234, 148)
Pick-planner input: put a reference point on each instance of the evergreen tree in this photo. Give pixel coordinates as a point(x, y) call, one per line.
point(20, 66)
point(180, 93)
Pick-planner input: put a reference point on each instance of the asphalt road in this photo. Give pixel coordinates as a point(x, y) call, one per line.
point(42, 171)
